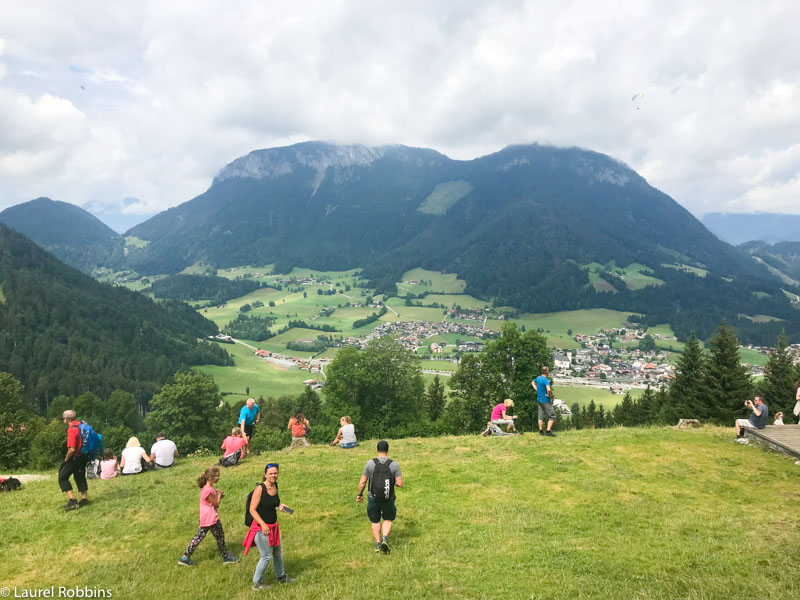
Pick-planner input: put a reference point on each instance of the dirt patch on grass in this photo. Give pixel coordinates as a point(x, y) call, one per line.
point(27, 478)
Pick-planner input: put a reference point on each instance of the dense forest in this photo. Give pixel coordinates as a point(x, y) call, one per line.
point(211, 288)
point(62, 332)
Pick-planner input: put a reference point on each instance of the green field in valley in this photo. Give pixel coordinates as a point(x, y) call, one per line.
point(619, 514)
point(430, 282)
point(263, 378)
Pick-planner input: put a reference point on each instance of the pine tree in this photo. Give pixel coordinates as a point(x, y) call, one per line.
point(434, 397)
point(779, 378)
point(687, 398)
point(728, 382)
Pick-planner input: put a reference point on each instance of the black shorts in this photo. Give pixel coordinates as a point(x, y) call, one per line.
point(249, 430)
point(381, 508)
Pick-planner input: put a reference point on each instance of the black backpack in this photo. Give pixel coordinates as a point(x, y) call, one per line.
point(248, 518)
point(381, 484)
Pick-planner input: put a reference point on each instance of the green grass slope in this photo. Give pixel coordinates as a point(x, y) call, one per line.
point(637, 513)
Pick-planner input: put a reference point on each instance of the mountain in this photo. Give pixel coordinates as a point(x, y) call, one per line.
point(74, 235)
point(737, 228)
point(782, 259)
point(535, 227)
point(62, 332)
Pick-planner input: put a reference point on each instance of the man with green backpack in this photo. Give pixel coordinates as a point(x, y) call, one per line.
point(83, 445)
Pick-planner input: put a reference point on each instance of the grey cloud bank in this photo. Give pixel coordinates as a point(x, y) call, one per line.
point(101, 102)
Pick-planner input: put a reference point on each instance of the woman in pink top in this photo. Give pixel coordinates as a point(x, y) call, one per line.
point(209, 519)
point(234, 442)
point(108, 466)
point(501, 417)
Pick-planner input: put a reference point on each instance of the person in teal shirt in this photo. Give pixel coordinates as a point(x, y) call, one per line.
point(248, 417)
point(544, 397)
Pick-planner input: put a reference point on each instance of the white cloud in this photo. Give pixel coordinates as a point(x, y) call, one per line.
point(150, 100)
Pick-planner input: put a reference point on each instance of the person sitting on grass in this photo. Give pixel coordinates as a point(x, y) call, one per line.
point(346, 437)
point(757, 420)
point(500, 415)
point(131, 460)
point(108, 466)
point(233, 447)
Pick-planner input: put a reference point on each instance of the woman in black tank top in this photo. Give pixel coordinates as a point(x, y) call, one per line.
point(263, 508)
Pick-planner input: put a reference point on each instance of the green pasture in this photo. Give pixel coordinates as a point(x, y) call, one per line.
point(263, 378)
point(687, 268)
point(600, 284)
point(617, 514)
point(635, 276)
point(759, 318)
point(752, 357)
point(443, 196)
point(439, 365)
point(446, 283)
point(453, 300)
point(585, 394)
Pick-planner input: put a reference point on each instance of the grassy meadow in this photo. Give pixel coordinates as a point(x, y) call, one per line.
point(651, 513)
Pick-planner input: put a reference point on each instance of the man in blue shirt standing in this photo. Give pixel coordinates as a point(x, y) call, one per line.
point(544, 396)
point(248, 417)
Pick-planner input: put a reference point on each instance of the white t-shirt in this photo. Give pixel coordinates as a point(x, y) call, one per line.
point(133, 460)
point(165, 452)
point(348, 433)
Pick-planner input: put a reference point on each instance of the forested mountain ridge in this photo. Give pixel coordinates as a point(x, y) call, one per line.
point(62, 332)
point(522, 226)
point(74, 235)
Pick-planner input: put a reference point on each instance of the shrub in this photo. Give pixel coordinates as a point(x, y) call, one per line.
point(50, 446)
point(270, 440)
point(115, 437)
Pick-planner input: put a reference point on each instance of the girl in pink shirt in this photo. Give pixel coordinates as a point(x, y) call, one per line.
point(108, 466)
point(209, 519)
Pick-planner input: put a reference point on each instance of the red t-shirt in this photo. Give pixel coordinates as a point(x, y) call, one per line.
point(74, 436)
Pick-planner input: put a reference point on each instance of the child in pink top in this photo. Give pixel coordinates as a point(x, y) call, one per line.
point(209, 519)
point(108, 466)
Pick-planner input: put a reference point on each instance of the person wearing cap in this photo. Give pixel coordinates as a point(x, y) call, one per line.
point(384, 475)
point(500, 415)
point(164, 452)
point(299, 427)
point(248, 417)
point(544, 396)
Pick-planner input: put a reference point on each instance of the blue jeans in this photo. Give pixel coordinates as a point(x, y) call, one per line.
point(268, 553)
point(350, 445)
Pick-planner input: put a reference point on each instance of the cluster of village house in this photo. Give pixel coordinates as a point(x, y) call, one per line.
point(413, 333)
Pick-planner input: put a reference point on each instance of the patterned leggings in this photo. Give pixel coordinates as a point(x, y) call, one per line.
point(216, 531)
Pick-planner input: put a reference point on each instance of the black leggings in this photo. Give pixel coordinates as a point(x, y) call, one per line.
point(216, 531)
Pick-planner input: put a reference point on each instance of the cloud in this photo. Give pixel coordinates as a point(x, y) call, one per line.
point(157, 97)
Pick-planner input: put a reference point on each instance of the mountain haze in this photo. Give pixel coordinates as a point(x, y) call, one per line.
point(737, 228)
point(74, 235)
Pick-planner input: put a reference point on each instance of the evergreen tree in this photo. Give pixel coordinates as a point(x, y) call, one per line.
point(779, 378)
point(623, 412)
point(435, 399)
point(728, 383)
point(687, 398)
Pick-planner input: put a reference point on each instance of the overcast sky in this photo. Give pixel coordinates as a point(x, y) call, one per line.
point(132, 107)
